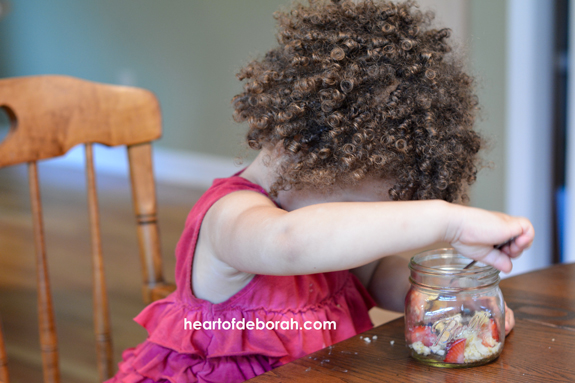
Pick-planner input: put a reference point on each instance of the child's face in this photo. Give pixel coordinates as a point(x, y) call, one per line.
point(368, 190)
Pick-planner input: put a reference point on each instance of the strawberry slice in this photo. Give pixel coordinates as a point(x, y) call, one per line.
point(423, 334)
point(494, 330)
point(415, 307)
point(490, 329)
point(456, 351)
point(487, 341)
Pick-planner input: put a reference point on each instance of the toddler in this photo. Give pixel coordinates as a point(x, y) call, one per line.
point(364, 125)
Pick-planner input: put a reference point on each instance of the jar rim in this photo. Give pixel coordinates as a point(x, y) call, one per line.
point(415, 264)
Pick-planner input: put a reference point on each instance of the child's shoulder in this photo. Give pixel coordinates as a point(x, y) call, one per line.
point(229, 197)
point(237, 189)
point(223, 187)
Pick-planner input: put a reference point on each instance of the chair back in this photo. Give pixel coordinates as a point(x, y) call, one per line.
point(49, 115)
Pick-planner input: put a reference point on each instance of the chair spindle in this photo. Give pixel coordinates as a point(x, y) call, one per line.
point(144, 198)
point(44, 113)
point(4, 378)
point(102, 330)
point(48, 338)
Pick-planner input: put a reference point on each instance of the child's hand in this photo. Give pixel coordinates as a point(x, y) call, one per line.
point(509, 320)
point(475, 232)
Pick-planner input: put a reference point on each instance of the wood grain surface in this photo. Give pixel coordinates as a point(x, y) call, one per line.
point(68, 240)
point(102, 330)
point(52, 114)
point(541, 348)
point(46, 320)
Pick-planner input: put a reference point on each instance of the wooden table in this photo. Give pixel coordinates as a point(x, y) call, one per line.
point(541, 348)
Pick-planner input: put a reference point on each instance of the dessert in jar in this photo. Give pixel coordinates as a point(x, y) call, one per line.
point(454, 316)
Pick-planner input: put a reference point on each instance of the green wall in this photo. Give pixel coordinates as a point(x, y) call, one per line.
point(488, 63)
point(186, 51)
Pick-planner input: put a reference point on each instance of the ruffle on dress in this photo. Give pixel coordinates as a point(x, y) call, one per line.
point(175, 354)
point(150, 363)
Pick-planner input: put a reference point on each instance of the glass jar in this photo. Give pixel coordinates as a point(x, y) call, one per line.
point(454, 317)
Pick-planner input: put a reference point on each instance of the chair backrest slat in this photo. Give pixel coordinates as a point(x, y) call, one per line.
point(52, 114)
point(144, 199)
point(48, 338)
point(100, 298)
point(3, 360)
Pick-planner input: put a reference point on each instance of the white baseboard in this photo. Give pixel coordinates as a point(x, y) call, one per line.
point(170, 166)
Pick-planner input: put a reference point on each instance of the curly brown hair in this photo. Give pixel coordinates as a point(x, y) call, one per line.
point(358, 89)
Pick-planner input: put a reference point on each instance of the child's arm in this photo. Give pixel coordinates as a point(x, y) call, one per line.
point(387, 281)
point(250, 234)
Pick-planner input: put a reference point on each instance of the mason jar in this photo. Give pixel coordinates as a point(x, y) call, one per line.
point(454, 316)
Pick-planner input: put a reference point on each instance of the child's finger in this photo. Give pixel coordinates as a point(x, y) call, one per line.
point(525, 239)
point(499, 260)
point(509, 320)
point(515, 250)
point(520, 242)
point(506, 250)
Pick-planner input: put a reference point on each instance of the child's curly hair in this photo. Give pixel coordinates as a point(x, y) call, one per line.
point(358, 89)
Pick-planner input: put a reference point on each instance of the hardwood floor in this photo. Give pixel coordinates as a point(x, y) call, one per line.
point(68, 244)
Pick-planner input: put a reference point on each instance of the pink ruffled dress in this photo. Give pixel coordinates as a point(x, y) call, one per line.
point(173, 353)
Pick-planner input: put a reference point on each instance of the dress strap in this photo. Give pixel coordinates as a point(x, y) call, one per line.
point(187, 245)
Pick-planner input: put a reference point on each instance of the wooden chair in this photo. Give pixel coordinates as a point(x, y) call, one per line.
point(50, 115)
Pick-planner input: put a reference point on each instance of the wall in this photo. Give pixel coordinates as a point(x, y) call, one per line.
point(487, 47)
point(186, 51)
